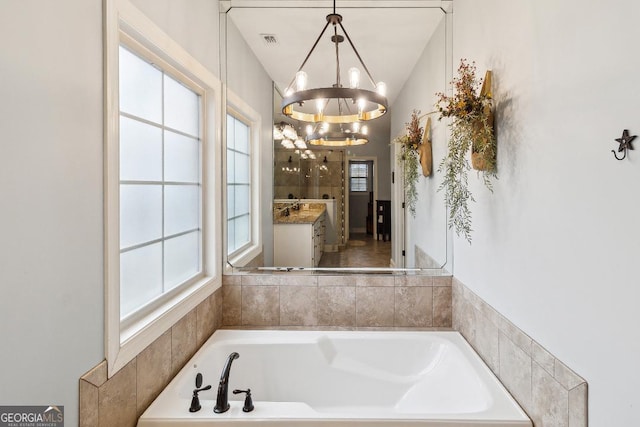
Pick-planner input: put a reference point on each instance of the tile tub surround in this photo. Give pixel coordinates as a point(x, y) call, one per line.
point(551, 393)
point(121, 399)
point(345, 301)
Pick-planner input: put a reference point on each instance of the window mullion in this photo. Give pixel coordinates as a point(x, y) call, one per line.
point(163, 185)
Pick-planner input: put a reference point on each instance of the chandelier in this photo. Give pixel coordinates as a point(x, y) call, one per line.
point(335, 104)
point(338, 136)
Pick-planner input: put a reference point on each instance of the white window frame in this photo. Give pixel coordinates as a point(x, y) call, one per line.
point(243, 112)
point(126, 24)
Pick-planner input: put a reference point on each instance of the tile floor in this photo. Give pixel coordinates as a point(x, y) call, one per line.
point(362, 250)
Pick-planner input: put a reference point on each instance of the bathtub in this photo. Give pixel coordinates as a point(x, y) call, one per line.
point(340, 378)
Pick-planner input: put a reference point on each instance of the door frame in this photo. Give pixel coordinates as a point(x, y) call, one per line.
point(347, 191)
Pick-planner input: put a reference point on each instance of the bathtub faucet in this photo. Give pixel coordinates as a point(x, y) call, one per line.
point(222, 401)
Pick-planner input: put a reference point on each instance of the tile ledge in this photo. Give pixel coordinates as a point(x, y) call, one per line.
point(96, 375)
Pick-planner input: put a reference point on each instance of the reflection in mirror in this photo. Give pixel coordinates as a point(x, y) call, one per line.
point(325, 207)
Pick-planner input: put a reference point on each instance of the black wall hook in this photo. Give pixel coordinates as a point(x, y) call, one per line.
point(625, 144)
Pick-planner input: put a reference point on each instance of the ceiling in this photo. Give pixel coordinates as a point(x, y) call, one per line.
point(389, 35)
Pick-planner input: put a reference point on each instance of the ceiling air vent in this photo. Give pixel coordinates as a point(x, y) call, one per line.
point(269, 39)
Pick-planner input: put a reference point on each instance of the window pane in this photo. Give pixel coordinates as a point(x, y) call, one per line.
point(181, 157)
point(182, 255)
point(231, 163)
point(231, 236)
point(181, 107)
point(182, 207)
point(231, 200)
point(358, 184)
point(140, 277)
point(242, 200)
point(140, 214)
point(140, 151)
point(140, 87)
point(241, 137)
point(242, 168)
point(230, 131)
point(242, 231)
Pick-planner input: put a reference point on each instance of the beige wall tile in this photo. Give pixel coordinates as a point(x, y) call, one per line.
point(284, 279)
point(231, 280)
point(566, 376)
point(183, 341)
point(374, 280)
point(337, 305)
point(486, 342)
point(231, 305)
point(542, 357)
point(153, 371)
point(205, 319)
point(298, 305)
point(374, 306)
point(346, 280)
point(578, 411)
point(217, 303)
point(260, 305)
point(491, 314)
point(516, 335)
point(457, 302)
point(97, 375)
point(442, 314)
point(88, 404)
point(414, 280)
point(550, 400)
point(413, 306)
point(515, 370)
point(356, 280)
point(117, 404)
point(442, 280)
point(522, 364)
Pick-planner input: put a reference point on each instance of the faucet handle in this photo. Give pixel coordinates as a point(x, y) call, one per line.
point(195, 400)
point(248, 402)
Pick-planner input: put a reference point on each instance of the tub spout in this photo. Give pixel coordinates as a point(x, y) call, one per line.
point(222, 401)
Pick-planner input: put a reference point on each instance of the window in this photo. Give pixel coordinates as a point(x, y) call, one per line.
point(162, 215)
point(243, 224)
point(359, 177)
point(160, 185)
point(238, 184)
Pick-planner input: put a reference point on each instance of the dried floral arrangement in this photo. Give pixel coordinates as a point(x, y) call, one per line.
point(409, 159)
point(470, 111)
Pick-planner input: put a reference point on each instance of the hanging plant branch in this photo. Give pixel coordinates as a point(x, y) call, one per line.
point(471, 130)
point(408, 157)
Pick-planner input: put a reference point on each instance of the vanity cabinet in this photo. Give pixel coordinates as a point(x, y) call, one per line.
point(299, 244)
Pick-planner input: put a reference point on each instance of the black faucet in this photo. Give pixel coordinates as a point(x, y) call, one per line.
point(195, 401)
point(222, 401)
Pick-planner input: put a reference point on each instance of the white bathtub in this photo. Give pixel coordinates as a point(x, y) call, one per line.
point(355, 378)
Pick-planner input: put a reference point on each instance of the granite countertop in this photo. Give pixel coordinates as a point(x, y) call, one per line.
point(305, 215)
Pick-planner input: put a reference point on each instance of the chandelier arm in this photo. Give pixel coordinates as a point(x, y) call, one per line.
point(310, 52)
point(358, 55)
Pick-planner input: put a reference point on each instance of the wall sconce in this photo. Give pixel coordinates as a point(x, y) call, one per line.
point(625, 144)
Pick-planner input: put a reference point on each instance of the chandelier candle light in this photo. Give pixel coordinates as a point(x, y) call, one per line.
point(336, 105)
point(340, 136)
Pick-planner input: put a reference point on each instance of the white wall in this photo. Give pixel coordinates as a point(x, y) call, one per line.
point(428, 229)
point(378, 146)
point(51, 307)
point(556, 246)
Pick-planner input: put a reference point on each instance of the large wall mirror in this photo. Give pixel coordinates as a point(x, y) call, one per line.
point(293, 205)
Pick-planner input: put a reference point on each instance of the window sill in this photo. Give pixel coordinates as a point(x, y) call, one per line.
point(141, 333)
point(243, 257)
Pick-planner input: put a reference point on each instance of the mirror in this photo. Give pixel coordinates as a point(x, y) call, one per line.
point(359, 188)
